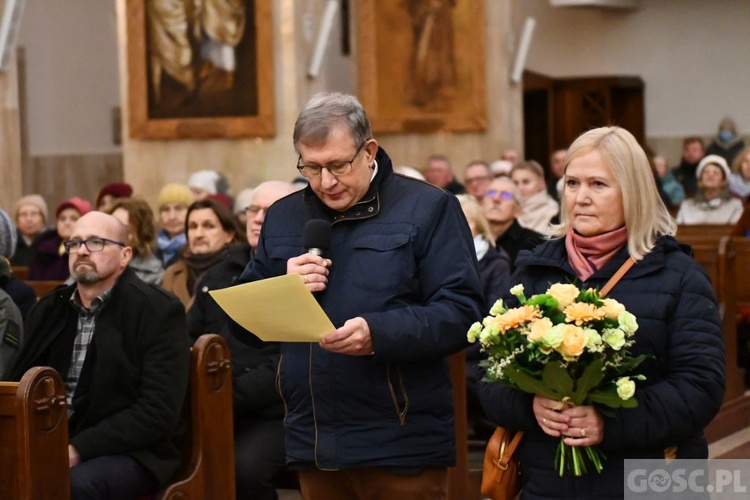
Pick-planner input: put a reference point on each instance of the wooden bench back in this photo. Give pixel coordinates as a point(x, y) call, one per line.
point(20, 272)
point(716, 231)
point(208, 467)
point(34, 437)
point(741, 277)
point(717, 256)
point(42, 288)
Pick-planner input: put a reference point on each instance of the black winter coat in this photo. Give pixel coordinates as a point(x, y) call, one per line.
point(679, 326)
point(253, 367)
point(134, 379)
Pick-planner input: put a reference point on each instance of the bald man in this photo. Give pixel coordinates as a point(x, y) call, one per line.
point(121, 347)
point(258, 409)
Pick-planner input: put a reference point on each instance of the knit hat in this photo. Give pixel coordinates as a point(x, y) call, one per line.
point(8, 235)
point(243, 199)
point(713, 160)
point(221, 199)
point(116, 190)
point(33, 199)
point(205, 180)
point(175, 193)
point(501, 167)
point(82, 206)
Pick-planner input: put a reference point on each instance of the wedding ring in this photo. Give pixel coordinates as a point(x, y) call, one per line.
point(544, 421)
point(304, 278)
point(583, 432)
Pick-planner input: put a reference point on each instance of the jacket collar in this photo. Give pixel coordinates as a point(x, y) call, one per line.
point(553, 254)
point(365, 208)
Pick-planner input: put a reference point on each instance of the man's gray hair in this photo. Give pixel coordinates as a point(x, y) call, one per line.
point(323, 112)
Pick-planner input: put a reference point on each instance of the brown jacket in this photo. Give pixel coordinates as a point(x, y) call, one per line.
point(175, 281)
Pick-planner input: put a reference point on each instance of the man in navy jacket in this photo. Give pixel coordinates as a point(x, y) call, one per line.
point(369, 408)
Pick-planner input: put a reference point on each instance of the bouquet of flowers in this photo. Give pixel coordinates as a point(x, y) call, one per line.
point(565, 344)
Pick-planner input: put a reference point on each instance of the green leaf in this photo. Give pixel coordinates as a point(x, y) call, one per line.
point(610, 398)
point(592, 376)
point(527, 383)
point(557, 379)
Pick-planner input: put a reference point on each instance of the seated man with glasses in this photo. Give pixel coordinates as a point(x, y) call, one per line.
point(121, 347)
point(502, 206)
point(369, 407)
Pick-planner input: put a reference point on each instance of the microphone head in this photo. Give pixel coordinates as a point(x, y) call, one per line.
point(317, 234)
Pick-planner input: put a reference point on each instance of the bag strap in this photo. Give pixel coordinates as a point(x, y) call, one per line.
point(502, 461)
point(619, 274)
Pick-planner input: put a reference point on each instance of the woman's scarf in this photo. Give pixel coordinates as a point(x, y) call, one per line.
point(588, 254)
point(170, 246)
point(198, 264)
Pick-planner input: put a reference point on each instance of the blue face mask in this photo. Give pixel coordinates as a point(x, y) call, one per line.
point(726, 135)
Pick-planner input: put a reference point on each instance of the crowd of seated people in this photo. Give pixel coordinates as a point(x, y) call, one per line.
point(200, 238)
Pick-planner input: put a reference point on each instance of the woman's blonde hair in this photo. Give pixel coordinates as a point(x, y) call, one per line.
point(646, 216)
point(475, 214)
point(737, 163)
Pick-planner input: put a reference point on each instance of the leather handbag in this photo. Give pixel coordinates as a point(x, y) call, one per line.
point(501, 473)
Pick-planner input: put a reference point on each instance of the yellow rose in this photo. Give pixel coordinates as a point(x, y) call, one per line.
point(581, 312)
point(625, 388)
point(573, 342)
point(538, 329)
point(612, 308)
point(563, 294)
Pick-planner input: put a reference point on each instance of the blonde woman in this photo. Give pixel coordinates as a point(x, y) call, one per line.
point(612, 212)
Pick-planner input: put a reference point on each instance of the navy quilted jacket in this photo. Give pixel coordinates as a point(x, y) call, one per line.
point(404, 260)
point(679, 326)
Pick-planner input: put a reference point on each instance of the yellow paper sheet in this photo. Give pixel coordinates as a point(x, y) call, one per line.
point(279, 309)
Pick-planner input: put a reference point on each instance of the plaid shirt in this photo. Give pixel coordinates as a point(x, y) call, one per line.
point(86, 323)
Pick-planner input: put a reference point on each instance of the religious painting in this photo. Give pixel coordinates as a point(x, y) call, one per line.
point(421, 65)
point(200, 68)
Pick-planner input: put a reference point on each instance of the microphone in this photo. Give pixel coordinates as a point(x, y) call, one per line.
point(317, 236)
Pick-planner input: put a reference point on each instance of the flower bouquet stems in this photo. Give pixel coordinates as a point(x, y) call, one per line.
point(574, 458)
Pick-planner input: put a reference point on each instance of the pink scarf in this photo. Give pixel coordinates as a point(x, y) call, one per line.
point(588, 254)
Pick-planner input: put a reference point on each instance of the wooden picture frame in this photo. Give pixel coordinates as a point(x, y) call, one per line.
point(195, 74)
point(401, 86)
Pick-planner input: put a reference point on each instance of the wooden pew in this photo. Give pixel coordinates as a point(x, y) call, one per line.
point(34, 437)
point(458, 476)
point(208, 465)
point(42, 288)
point(741, 276)
point(716, 231)
point(34, 432)
point(20, 272)
point(717, 257)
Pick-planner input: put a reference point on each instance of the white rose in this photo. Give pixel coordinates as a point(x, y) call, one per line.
point(625, 388)
point(614, 337)
point(628, 323)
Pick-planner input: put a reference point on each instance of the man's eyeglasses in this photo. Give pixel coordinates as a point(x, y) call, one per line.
point(475, 180)
point(91, 244)
point(499, 195)
point(254, 210)
point(336, 169)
